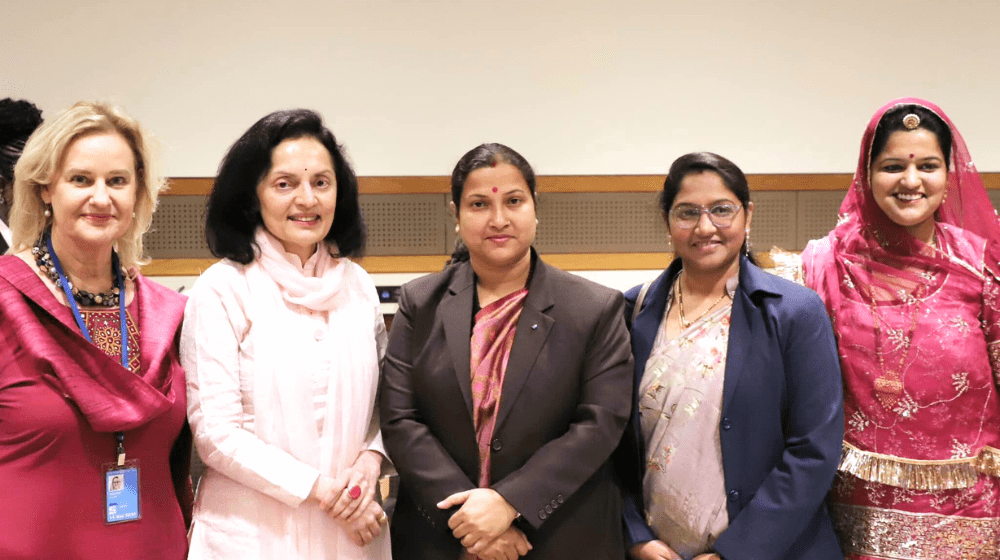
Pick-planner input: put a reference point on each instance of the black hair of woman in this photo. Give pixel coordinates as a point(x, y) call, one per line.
point(485, 155)
point(233, 212)
point(893, 121)
point(18, 119)
point(700, 162)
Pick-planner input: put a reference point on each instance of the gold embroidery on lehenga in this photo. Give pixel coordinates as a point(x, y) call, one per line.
point(916, 474)
point(858, 422)
point(960, 381)
point(960, 325)
point(898, 534)
point(904, 406)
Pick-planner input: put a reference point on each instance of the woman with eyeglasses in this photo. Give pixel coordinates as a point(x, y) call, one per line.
point(737, 421)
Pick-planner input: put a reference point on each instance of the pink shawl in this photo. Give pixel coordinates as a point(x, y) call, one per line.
point(283, 391)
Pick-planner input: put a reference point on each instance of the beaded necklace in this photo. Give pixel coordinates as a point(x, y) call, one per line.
point(44, 261)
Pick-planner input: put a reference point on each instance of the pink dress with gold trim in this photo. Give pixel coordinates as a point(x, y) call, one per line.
point(918, 331)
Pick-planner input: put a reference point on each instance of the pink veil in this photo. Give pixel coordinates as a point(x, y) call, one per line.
point(870, 250)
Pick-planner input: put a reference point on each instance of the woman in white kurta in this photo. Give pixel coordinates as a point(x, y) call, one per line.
point(282, 344)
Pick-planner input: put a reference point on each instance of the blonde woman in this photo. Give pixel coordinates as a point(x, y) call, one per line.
point(91, 386)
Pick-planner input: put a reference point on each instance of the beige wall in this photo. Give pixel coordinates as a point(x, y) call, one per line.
point(578, 87)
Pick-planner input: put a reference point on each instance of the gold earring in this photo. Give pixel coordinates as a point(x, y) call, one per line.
point(746, 240)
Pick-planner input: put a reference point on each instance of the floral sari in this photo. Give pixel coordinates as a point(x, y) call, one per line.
point(680, 406)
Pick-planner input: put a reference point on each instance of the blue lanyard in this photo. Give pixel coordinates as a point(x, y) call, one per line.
point(119, 436)
point(76, 310)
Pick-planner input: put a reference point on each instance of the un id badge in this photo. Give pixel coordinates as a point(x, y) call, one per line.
point(121, 492)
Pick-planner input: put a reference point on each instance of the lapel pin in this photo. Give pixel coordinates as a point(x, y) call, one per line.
point(535, 326)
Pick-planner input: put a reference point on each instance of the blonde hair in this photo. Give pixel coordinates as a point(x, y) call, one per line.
point(43, 156)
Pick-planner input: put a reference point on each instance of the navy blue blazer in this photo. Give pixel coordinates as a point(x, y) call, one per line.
point(782, 421)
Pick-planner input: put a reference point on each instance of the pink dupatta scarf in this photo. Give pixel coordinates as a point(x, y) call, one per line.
point(492, 338)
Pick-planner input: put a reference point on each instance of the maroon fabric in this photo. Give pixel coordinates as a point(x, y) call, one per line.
point(61, 399)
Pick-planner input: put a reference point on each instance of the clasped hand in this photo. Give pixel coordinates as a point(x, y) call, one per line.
point(360, 515)
point(483, 524)
point(659, 550)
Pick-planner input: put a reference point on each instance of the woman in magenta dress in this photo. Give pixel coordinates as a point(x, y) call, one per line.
point(91, 388)
point(911, 279)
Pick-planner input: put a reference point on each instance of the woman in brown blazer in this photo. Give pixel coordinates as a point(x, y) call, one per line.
point(507, 386)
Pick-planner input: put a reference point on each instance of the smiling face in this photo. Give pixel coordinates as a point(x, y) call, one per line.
point(93, 192)
point(496, 217)
point(298, 195)
point(706, 248)
point(909, 179)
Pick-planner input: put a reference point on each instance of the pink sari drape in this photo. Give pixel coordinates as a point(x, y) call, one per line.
point(492, 338)
point(918, 329)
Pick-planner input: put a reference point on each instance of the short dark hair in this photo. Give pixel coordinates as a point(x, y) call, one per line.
point(892, 121)
point(485, 155)
point(18, 119)
point(233, 212)
point(700, 162)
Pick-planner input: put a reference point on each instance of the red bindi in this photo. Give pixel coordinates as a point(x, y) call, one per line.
point(494, 189)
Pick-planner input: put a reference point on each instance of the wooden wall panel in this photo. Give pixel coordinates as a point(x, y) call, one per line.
point(791, 209)
point(576, 183)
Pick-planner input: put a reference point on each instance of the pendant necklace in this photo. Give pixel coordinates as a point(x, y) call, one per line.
point(680, 303)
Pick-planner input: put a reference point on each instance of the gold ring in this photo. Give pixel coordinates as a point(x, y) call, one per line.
point(382, 519)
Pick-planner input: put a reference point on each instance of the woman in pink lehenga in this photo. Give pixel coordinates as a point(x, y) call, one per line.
point(911, 278)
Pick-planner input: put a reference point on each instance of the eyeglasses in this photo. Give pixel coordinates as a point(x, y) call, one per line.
point(721, 215)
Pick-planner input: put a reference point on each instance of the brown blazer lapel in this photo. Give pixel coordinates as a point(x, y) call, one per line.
point(455, 311)
point(532, 331)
